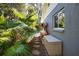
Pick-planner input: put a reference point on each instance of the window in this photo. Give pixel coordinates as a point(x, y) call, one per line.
point(59, 20)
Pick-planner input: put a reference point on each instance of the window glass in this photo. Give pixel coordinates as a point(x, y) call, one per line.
point(59, 19)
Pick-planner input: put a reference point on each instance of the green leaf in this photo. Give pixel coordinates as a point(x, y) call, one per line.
point(18, 14)
point(19, 48)
point(2, 19)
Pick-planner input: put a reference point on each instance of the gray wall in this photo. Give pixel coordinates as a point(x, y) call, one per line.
point(70, 36)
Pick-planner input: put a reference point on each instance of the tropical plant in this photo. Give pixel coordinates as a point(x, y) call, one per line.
point(15, 29)
point(18, 49)
point(5, 42)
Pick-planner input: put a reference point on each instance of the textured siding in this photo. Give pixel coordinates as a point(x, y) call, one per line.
point(70, 36)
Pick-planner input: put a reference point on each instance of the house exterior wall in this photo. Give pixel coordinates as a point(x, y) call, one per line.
point(70, 36)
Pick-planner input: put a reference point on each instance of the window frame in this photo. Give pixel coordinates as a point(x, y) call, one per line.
point(58, 29)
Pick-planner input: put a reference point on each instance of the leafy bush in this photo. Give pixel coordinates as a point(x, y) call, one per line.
point(15, 30)
point(5, 43)
point(18, 49)
point(16, 13)
point(5, 33)
point(12, 23)
point(2, 19)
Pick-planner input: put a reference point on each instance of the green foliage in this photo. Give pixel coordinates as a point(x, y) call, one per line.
point(12, 24)
point(6, 8)
point(15, 29)
point(30, 19)
point(9, 24)
point(3, 39)
point(19, 49)
point(2, 19)
point(5, 33)
point(4, 44)
point(61, 23)
point(18, 14)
